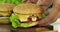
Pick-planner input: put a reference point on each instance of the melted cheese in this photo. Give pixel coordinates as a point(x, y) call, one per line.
point(23, 17)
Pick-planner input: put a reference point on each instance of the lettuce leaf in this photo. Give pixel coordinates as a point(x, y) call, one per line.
point(25, 25)
point(15, 2)
point(43, 16)
point(14, 20)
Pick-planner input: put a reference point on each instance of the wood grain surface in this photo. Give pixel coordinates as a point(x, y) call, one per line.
point(5, 28)
point(8, 28)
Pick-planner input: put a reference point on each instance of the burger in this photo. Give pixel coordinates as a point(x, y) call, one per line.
point(26, 15)
point(5, 12)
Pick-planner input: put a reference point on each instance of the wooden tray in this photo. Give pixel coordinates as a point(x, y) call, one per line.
point(8, 28)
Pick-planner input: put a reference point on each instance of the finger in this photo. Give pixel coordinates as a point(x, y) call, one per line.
point(42, 22)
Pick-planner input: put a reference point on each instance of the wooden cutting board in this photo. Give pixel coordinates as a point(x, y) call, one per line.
point(8, 28)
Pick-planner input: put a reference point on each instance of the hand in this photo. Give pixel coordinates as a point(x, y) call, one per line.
point(48, 21)
point(45, 21)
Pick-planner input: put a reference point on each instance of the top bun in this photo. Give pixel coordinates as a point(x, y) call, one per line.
point(28, 8)
point(6, 7)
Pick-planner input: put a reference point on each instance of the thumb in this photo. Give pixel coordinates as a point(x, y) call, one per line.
point(46, 21)
point(43, 22)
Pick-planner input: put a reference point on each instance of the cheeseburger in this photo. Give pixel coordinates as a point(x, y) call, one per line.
point(26, 15)
point(5, 12)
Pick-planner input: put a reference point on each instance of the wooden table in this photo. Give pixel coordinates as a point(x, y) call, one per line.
point(8, 28)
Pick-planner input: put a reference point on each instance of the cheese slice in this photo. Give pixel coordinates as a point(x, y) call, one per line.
point(23, 17)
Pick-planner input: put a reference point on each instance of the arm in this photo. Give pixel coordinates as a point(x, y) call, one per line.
point(54, 14)
point(58, 16)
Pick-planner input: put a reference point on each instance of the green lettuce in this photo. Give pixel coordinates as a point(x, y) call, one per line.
point(43, 16)
point(14, 20)
point(25, 25)
point(15, 2)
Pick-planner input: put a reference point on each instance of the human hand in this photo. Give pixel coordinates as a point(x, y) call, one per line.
point(48, 21)
point(45, 22)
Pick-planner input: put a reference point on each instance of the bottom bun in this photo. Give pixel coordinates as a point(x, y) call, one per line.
point(30, 24)
point(4, 20)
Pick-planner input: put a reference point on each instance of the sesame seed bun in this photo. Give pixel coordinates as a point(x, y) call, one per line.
point(28, 9)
